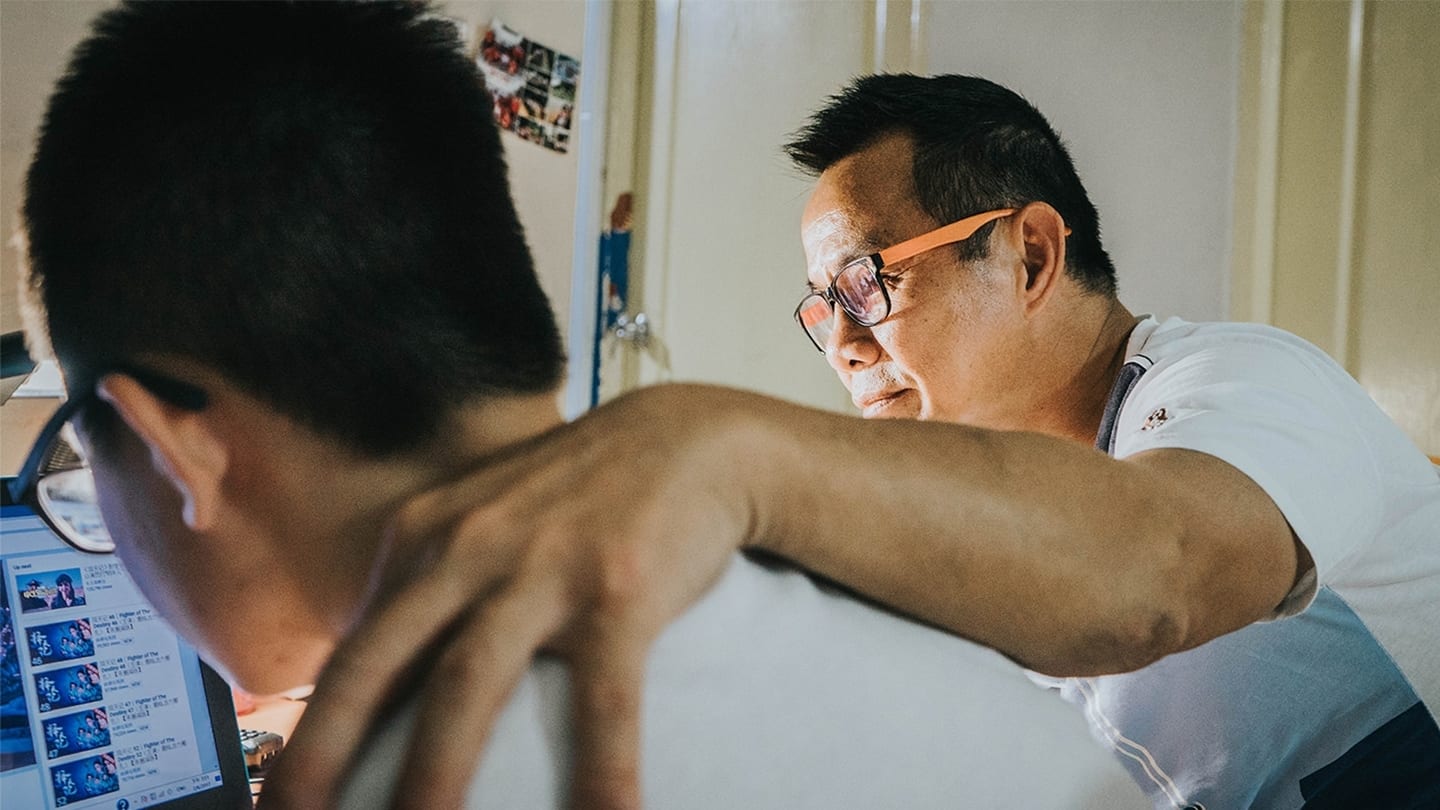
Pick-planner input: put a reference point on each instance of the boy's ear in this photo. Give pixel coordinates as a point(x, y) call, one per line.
point(184, 445)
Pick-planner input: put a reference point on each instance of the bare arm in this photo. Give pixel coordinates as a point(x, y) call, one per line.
point(590, 539)
point(1066, 560)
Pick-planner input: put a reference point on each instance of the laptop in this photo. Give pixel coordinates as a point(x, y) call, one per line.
point(102, 704)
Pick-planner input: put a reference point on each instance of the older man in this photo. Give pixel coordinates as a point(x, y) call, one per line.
point(1205, 535)
point(276, 257)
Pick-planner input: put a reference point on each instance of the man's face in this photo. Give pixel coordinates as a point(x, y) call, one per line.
point(948, 349)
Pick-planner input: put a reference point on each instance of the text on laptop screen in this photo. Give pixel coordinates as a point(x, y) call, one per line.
point(103, 704)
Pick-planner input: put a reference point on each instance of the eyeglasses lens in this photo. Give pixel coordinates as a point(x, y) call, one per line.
point(66, 495)
point(860, 293)
point(815, 315)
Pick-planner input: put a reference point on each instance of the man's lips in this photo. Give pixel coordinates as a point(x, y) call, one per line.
point(876, 400)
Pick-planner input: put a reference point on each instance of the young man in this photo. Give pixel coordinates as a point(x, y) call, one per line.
point(276, 257)
point(1240, 588)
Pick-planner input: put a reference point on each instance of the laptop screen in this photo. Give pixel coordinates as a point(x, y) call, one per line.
point(101, 703)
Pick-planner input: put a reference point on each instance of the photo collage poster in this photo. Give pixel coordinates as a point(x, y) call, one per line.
point(533, 86)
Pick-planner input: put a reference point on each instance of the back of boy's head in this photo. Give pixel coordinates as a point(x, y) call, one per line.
point(309, 198)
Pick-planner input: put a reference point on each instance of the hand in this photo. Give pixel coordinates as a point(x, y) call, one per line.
point(586, 541)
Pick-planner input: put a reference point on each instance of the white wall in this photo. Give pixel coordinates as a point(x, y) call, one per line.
point(719, 220)
point(36, 37)
point(1144, 94)
point(542, 181)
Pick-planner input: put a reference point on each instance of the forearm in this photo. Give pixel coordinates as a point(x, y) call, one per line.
point(1047, 551)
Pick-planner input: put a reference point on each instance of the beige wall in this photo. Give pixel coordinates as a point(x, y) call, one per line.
point(1395, 305)
point(36, 37)
point(1339, 194)
point(35, 42)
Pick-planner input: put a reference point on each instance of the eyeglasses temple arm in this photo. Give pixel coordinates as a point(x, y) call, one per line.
point(30, 470)
point(954, 232)
point(177, 393)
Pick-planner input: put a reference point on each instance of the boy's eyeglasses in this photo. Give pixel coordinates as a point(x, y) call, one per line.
point(56, 481)
point(859, 288)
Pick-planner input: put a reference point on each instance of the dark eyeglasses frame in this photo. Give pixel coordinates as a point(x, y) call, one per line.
point(957, 231)
point(25, 486)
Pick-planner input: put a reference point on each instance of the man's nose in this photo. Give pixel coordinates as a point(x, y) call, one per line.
point(851, 346)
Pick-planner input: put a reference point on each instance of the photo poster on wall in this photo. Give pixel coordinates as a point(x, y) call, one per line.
point(533, 86)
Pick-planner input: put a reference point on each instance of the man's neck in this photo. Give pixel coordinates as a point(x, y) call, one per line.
point(1098, 337)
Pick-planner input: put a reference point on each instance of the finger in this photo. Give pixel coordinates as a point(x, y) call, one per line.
point(484, 662)
point(358, 681)
point(607, 684)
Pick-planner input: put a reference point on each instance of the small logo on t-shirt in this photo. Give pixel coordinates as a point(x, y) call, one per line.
point(1156, 418)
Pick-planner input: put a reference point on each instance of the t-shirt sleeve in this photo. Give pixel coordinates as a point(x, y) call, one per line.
point(1277, 414)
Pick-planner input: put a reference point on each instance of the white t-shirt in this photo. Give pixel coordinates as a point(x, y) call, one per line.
point(1340, 692)
point(776, 692)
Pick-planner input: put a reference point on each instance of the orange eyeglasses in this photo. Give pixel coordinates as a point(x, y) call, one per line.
point(859, 288)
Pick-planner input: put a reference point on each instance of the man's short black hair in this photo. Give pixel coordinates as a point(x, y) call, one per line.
point(309, 198)
point(978, 147)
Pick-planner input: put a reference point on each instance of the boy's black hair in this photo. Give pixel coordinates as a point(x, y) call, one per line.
point(309, 198)
point(978, 147)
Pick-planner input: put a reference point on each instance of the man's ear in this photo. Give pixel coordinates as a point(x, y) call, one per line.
point(1041, 233)
point(184, 445)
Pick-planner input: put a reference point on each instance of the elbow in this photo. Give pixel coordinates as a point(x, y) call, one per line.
point(1131, 640)
point(1142, 615)
point(1152, 618)
point(1156, 633)
point(1127, 639)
